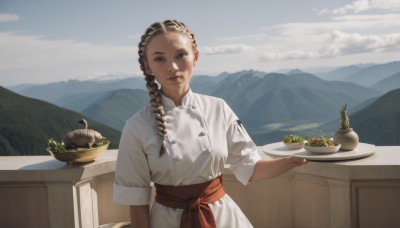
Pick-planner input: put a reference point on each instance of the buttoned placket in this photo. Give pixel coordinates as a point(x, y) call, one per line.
point(192, 111)
point(204, 132)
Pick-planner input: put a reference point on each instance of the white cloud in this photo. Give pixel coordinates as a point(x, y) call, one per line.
point(347, 44)
point(342, 35)
point(226, 49)
point(24, 52)
point(364, 5)
point(350, 22)
point(246, 37)
point(104, 76)
point(282, 55)
point(33, 58)
point(340, 44)
point(5, 17)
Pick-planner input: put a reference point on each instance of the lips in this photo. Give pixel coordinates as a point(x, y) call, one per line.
point(173, 78)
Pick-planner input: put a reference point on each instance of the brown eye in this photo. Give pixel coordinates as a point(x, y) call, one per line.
point(158, 59)
point(182, 55)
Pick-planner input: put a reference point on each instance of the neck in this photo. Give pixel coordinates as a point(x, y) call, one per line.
point(176, 96)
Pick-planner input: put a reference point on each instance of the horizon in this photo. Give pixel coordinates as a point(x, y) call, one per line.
point(122, 76)
point(42, 43)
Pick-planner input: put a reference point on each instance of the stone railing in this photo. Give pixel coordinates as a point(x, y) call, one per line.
point(39, 191)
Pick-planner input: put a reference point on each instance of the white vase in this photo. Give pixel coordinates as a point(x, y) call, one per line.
point(347, 138)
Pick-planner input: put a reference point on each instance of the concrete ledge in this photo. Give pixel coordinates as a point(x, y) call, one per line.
point(50, 193)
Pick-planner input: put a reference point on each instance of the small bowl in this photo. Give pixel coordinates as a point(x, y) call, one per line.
point(80, 156)
point(322, 150)
point(294, 146)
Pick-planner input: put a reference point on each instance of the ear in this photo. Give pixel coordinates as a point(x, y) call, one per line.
point(196, 57)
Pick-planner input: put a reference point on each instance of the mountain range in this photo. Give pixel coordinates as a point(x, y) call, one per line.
point(379, 122)
point(277, 98)
point(257, 98)
point(26, 125)
point(366, 75)
point(117, 106)
point(269, 104)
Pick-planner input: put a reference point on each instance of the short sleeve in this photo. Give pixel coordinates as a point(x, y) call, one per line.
point(132, 175)
point(242, 151)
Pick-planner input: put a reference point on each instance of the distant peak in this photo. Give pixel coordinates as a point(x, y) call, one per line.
point(251, 72)
point(224, 74)
point(295, 71)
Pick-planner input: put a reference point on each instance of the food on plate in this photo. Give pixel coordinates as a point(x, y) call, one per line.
point(56, 146)
point(78, 140)
point(321, 141)
point(293, 141)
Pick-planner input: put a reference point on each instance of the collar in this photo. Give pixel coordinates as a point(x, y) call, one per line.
point(168, 103)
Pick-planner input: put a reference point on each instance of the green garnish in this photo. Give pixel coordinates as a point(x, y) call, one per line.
point(56, 146)
point(293, 139)
point(321, 141)
point(60, 146)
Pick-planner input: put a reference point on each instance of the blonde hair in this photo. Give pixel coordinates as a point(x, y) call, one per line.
point(152, 86)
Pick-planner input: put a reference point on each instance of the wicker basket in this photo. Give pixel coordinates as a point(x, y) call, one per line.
point(80, 156)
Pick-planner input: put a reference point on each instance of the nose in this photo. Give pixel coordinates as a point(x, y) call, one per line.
point(172, 67)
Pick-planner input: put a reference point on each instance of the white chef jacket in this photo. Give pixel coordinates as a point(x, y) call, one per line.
point(204, 134)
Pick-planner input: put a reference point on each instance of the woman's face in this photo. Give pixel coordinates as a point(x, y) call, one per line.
point(170, 58)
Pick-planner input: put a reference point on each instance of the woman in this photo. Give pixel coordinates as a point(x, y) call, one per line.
point(181, 142)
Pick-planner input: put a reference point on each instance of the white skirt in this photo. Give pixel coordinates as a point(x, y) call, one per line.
point(227, 214)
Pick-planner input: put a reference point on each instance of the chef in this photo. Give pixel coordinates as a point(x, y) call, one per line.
point(181, 142)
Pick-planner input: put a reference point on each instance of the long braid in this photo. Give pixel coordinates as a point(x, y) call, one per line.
point(154, 92)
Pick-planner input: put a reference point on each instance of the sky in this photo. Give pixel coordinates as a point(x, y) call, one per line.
point(46, 41)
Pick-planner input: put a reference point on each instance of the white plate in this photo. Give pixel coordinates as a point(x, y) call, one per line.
point(294, 146)
point(279, 149)
point(322, 150)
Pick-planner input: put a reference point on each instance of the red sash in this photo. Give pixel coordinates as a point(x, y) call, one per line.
point(194, 200)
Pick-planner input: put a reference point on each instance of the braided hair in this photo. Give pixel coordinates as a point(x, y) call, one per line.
point(151, 85)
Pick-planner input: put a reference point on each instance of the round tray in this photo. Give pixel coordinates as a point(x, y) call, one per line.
point(279, 149)
point(82, 156)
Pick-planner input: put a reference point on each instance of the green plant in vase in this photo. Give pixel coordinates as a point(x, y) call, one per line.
point(345, 135)
point(345, 122)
